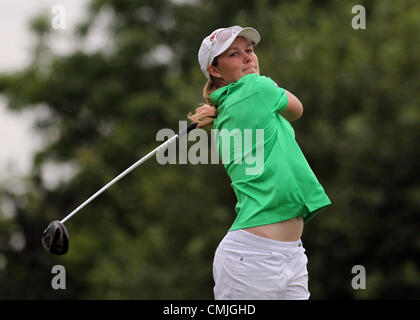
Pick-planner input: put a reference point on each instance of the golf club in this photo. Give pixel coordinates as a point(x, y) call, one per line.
point(55, 237)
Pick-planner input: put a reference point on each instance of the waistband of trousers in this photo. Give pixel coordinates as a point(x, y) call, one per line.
point(252, 240)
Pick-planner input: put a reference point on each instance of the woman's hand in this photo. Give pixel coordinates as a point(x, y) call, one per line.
point(204, 115)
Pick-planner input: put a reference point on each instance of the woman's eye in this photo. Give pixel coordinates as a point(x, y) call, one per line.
point(233, 54)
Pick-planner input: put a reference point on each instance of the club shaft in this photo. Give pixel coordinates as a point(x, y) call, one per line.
point(128, 170)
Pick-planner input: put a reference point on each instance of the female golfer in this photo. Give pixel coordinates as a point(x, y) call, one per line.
point(261, 257)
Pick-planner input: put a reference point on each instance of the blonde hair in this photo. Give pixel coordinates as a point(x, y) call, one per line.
point(208, 89)
point(211, 85)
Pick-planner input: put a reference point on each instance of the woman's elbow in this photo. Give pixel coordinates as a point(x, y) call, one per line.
point(295, 112)
point(299, 110)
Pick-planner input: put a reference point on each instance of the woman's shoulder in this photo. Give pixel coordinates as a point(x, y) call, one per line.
point(247, 85)
point(257, 79)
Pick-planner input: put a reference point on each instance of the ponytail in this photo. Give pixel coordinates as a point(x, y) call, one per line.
point(211, 85)
point(208, 89)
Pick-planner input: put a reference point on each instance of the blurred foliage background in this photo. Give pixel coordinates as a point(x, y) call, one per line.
point(154, 233)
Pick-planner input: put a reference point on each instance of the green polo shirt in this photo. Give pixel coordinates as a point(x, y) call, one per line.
point(270, 176)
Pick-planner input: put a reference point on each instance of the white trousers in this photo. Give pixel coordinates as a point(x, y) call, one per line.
point(250, 267)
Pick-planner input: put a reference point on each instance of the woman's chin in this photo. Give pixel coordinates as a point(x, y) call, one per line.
point(250, 71)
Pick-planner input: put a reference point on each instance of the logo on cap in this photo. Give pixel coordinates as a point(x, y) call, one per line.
point(213, 36)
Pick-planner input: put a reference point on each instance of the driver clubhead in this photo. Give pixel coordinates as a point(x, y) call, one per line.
point(55, 238)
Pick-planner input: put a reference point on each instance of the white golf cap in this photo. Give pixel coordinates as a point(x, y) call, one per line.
point(219, 40)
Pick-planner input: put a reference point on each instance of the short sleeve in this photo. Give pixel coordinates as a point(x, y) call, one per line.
point(280, 100)
point(274, 96)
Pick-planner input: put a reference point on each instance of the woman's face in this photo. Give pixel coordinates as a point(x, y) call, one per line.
point(237, 61)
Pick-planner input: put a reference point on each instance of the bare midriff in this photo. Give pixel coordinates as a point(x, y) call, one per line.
point(288, 230)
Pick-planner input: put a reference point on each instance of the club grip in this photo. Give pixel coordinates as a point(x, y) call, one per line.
point(192, 126)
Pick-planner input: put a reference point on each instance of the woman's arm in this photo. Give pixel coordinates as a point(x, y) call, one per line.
point(205, 114)
point(294, 108)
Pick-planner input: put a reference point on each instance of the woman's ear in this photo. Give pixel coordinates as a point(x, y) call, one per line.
point(213, 71)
